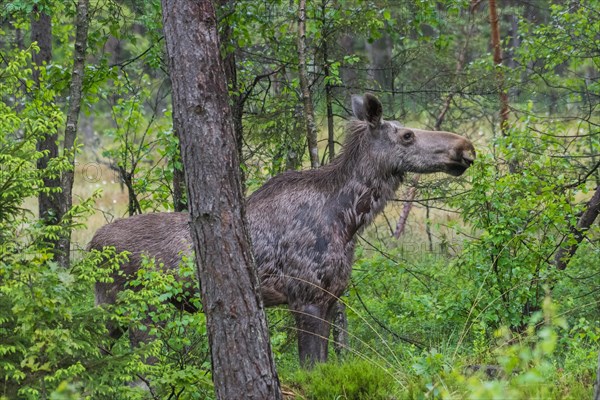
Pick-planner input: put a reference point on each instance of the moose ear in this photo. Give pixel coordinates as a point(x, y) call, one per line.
point(367, 108)
point(373, 109)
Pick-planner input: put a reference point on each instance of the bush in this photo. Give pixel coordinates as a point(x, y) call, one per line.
point(351, 380)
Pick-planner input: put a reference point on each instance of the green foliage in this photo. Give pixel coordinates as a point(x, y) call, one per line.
point(25, 115)
point(424, 311)
point(47, 342)
point(144, 149)
point(567, 44)
point(173, 358)
point(527, 364)
point(51, 334)
point(351, 380)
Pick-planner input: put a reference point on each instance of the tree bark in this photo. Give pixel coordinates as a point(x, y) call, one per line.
point(564, 253)
point(309, 114)
point(330, 130)
point(75, 94)
point(237, 103)
point(242, 362)
point(179, 199)
point(48, 203)
point(133, 205)
point(341, 341)
point(411, 193)
point(328, 88)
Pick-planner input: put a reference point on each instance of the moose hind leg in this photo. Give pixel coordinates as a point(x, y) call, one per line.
point(313, 328)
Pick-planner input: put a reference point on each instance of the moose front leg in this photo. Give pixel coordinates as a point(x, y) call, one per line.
point(313, 325)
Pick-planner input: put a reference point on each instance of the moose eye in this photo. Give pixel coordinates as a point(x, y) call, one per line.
point(408, 136)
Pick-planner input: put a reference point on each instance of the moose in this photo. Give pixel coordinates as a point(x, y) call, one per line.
point(303, 223)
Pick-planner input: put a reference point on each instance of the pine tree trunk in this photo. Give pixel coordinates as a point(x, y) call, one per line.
point(75, 94)
point(309, 114)
point(242, 362)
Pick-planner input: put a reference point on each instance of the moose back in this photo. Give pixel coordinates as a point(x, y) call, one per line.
point(303, 224)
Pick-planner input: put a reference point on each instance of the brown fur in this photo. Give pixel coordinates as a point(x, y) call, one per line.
point(303, 224)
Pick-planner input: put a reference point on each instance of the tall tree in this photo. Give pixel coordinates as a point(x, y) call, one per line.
point(41, 32)
point(237, 101)
point(242, 362)
point(309, 113)
point(75, 92)
point(328, 89)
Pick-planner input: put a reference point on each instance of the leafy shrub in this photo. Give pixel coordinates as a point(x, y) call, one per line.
point(50, 331)
point(351, 380)
point(177, 342)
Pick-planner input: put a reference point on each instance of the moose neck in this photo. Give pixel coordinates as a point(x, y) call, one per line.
point(363, 194)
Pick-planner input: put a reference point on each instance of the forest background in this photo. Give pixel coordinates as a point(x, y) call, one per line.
point(479, 287)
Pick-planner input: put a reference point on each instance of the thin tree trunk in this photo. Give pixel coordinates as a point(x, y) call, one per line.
point(242, 361)
point(133, 205)
point(75, 93)
point(428, 227)
point(564, 253)
point(328, 88)
point(340, 319)
point(329, 104)
point(411, 193)
point(48, 203)
point(179, 199)
point(309, 114)
point(19, 39)
point(496, 45)
point(341, 341)
point(237, 105)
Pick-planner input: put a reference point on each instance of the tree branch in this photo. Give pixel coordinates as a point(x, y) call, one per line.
point(564, 253)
